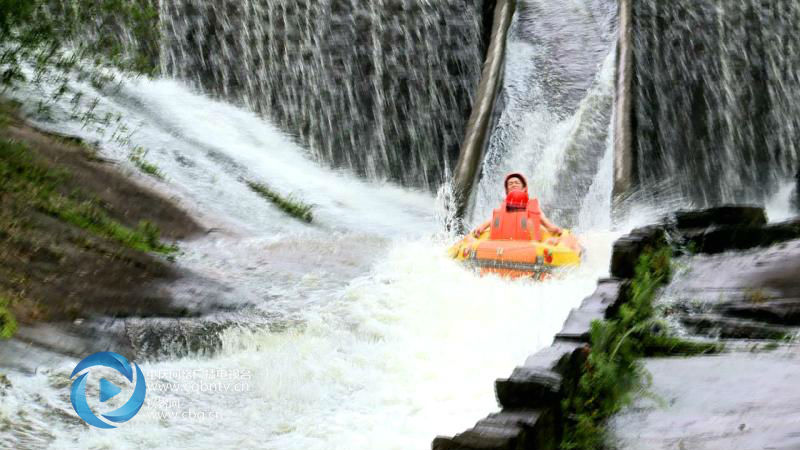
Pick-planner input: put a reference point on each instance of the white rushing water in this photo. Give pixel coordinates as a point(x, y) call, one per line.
point(384, 342)
point(558, 89)
point(779, 207)
point(379, 86)
point(719, 114)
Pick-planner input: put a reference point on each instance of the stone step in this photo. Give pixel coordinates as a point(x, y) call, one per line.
point(538, 382)
point(507, 430)
point(578, 325)
point(602, 304)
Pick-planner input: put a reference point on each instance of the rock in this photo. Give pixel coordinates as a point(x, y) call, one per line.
point(610, 294)
point(721, 215)
point(155, 337)
point(753, 276)
point(484, 438)
point(538, 382)
point(578, 325)
point(731, 328)
point(780, 312)
point(602, 304)
point(628, 249)
point(68, 339)
point(796, 197)
point(506, 430)
point(750, 295)
point(701, 403)
point(734, 237)
point(529, 387)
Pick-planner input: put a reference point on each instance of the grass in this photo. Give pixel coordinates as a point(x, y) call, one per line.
point(35, 185)
point(770, 346)
point(8, 325)
point(756, 296)
point(7, 109)
point(290, 205)
point(613, 371)
point(138, 156)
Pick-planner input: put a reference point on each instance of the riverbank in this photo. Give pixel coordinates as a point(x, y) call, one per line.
point(79, 239)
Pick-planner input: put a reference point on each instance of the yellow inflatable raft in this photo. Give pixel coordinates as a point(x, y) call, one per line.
point(518, 258)
point(516, 244)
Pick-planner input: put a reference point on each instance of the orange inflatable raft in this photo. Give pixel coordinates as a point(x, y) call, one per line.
point(516, 245)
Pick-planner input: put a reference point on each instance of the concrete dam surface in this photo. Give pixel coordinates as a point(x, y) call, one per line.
point(746, 397)
point(712, 402)
point(225, 224)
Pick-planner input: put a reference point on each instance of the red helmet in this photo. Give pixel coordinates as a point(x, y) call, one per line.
point(517, 199)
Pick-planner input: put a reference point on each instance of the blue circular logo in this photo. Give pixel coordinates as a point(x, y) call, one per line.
point(107, 389)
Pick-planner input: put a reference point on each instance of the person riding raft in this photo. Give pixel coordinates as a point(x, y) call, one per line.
point(517, 198)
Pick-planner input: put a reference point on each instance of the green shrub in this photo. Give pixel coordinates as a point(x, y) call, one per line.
point(612, 371)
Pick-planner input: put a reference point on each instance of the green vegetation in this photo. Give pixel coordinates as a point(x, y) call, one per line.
point(138, 156)
point(612, 371)
point(37, 32)
point(37, 186)
point(769, 346)
point(52, 44)
point(290, 205)
point(8, 325)
point(756, 296)
point(7, 109)
point(660, 343)
point(49, 45)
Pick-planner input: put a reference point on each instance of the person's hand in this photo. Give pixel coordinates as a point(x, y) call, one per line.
point(477, 232)
point(558, 231)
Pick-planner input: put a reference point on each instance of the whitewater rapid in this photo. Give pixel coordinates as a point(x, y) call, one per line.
point(355, 331)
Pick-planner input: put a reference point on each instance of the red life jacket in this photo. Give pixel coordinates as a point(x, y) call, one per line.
point(517, 224)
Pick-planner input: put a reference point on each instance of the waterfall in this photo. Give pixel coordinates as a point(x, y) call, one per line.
point(558, 93)
point(381, 87)
point(717, 97)
point(356, 331)
point(127, 36)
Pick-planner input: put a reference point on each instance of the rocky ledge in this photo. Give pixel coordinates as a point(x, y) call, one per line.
point(85, 255)
point(738, 277)
point(742, 289)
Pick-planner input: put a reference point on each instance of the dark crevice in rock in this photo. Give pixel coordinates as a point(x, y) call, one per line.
point(732, 328)
point(779, 311)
